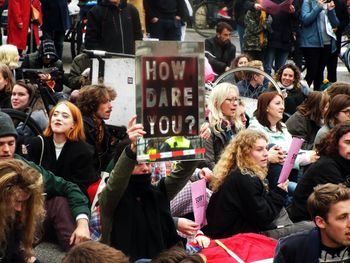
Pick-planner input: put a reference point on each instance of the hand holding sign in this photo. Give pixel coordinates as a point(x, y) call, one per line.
point(134, 131)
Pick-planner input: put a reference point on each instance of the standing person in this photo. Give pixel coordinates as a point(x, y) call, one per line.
point(163, 18)
point(22, 210)
point(55, 22)
point(341, 10)
point(329, 208)
point(19, 12)
point(95, 104)
point(67, 211)
point(332, 167)
point(63, 150)
point(280, 40)
point(317, 39)
point(220, 50)
point(114, 26)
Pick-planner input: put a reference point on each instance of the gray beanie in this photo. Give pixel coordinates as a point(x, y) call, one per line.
point(6, 126)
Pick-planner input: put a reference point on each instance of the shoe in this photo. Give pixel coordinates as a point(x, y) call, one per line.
point(223, 13)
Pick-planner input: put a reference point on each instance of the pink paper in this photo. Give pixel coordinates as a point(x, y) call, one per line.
point(274, 8)
point(199, 202)
point(290, 160)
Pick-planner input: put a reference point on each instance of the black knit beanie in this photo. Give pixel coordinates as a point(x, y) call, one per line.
point(6, 126)
point(47, 49)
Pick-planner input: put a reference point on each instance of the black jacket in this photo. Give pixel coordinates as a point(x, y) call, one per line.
point(113, 28)
point(241, 205)
point(223, 54)
point(55, 15)
point(75, 163)
point(164, 9)
point(334, 169)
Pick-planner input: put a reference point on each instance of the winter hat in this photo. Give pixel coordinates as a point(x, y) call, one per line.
point(6, 126)
point(47, 49)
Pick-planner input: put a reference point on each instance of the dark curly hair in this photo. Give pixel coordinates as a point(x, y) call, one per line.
point(328, 146)
point(297, 74)
point(90, 97)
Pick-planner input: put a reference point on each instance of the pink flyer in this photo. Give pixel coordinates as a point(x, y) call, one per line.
point(290, 160)
point(274, 8)
point(199, 202)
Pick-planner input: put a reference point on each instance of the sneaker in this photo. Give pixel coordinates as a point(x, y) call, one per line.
point(223, 13)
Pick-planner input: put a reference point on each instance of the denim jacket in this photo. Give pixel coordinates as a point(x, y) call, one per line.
point(311, 35)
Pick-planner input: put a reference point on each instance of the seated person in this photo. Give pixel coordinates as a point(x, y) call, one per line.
point(67, 211)
point(63, 149)
point(79, 74)
point(252, 85)
point(130, 205)
point(45, 57)
point(329, 208)
point(332, 167)
point(220, 50)
point(22, 210)
point(240, 202)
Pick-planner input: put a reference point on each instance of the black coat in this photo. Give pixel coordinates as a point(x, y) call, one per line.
point(241, 205)
point(113, 28)
point(75, 163)
point(55, 15)
point(334, 169)
point(223, 54)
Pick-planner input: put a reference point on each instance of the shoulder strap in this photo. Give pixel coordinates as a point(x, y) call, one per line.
point(42, 149)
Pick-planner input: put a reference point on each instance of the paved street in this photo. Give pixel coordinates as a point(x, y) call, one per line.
point(191, 35)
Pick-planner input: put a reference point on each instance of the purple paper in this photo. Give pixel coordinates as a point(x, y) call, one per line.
point(290, 160)
point(274, 8)
point(199, 202)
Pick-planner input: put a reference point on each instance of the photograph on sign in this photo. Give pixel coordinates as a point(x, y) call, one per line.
point(170, 101)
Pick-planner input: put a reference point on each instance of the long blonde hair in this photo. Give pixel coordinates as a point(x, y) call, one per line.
point(218, 96)
point(237, 155)
point(9, 56)
point(16, 176)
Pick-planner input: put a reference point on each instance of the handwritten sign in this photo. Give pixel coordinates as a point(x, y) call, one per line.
point(170, 96)
point(199, 202)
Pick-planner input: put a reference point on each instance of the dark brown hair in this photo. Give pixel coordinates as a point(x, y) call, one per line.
point(313, 106)
point(328, 146)
point(223, 25)
point(261, 114)
point(297, 74)
point(336, 105)
point(338, 88)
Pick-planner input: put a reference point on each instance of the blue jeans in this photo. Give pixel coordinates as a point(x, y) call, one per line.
point(166, 29)
point(276, 55)
point(240, 30)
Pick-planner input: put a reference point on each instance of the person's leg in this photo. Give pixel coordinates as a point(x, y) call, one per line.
point(240, 30)
point(324, 54)
point(332, 64)
point(59, 39)
point(59, 223)
point(311, 56)
point(172, 30)
point(281, 57)
point(270, 56)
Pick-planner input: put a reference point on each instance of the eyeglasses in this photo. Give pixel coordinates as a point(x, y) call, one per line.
point(346, 112)
point(233, 100)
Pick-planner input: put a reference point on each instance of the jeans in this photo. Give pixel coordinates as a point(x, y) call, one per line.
point(276, 55)
point(240, 30)
point(166, 29)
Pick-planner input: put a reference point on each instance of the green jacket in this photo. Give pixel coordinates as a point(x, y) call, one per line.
point(57, 186)
point(118, 183)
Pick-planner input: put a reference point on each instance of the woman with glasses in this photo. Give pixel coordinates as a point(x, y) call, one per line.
point(223, 103)
point(337, 112)
point(63, 149)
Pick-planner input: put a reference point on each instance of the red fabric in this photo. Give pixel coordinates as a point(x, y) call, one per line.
point(249, 247)
point(19, 12)
point(92, 189)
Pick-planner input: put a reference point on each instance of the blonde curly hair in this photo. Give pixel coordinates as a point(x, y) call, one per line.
point(237, 155)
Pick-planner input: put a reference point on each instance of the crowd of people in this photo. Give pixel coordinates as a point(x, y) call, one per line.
point(51, 188)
